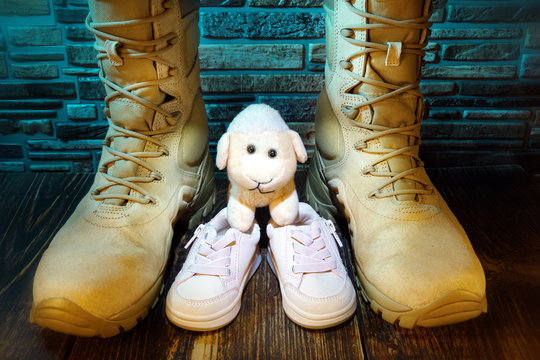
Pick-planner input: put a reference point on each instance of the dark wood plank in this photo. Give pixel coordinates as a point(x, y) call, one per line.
point(499, 207)
point(35, 206)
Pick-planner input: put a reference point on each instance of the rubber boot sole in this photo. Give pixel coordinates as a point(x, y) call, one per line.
point(63, 315)
point(453, 307)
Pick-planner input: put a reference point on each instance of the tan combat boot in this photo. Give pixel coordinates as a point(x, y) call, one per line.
point(415, 263)
point(105, 267)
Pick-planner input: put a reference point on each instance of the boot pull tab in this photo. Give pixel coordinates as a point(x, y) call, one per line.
point(111, 49)
point(393, 54)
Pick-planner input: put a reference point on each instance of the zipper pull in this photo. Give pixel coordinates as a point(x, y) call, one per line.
point(332, 229)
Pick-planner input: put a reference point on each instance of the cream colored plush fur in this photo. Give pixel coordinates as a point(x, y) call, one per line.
point(260, 153)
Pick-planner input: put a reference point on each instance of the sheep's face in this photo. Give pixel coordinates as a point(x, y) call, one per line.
point(263, 162)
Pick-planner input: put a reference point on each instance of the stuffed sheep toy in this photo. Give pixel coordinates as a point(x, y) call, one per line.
point(260, 153)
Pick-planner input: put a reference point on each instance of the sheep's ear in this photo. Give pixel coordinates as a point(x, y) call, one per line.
point(298, 145)
point(222, 151)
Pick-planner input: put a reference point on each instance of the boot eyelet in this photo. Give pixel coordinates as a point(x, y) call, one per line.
point(172, 72)
point(346, 32)
point(102, 169)
point(165, 151)
point(156, 176)
point(373, 194)
point(360, 145)
point(173, 117)
point(350, 112)
point(345, 64)
point(150, 200)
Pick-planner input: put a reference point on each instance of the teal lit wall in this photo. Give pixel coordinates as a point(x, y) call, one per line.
point(481, 79)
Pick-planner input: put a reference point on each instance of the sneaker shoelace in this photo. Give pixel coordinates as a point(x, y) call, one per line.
point(213, 255)
point(379, 131)
point(116, 49)
point(311, 252)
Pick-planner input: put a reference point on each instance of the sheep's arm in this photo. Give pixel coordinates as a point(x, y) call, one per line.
point(284, 208)
point(239, 214)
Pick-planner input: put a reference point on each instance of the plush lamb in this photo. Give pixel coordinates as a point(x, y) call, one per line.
point(260, 153)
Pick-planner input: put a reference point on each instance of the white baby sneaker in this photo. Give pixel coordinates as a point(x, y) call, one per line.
point(316, 291)
point(207, 292)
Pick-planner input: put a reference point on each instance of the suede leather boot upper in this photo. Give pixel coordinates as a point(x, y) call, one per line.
point(414, 260)
point(105, 267)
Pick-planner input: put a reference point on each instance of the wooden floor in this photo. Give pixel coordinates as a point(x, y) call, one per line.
point(498, 206)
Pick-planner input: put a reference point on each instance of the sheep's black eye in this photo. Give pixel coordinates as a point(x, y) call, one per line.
point(250, 149)
point(272, 153)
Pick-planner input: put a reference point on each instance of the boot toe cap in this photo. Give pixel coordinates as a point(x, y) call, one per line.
point(418, 277)
point(91, 286)
point(425, 283)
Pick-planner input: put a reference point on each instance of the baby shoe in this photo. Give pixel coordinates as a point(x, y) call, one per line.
point(316, 291)
point(207, 292)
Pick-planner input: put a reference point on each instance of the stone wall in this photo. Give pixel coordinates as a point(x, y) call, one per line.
point(481, 80)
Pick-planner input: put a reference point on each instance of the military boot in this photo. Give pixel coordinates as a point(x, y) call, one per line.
point(104, 268)
point(413, 259)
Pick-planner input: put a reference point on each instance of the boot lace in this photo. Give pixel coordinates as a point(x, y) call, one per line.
point(311, 253)
point(116, 49)
point(379, 131)
point(213, 255)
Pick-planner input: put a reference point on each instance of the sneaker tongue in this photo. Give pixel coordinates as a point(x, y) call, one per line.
point(124, 111)
point(297, 231)
point(210, 234)
point(303, 228)
point(400, 110)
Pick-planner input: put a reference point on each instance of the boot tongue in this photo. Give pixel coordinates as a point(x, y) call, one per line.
point(398, 111)
point(122, 71)
point(124, 111)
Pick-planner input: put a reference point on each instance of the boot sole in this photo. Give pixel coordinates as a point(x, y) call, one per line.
point(451, 308)
point(222, 320)
point(307, 320)
point(65, 316)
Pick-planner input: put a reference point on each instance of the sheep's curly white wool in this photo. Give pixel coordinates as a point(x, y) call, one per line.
point(257, 119)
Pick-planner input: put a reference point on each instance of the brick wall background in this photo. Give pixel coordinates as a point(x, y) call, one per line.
point(481, 79)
